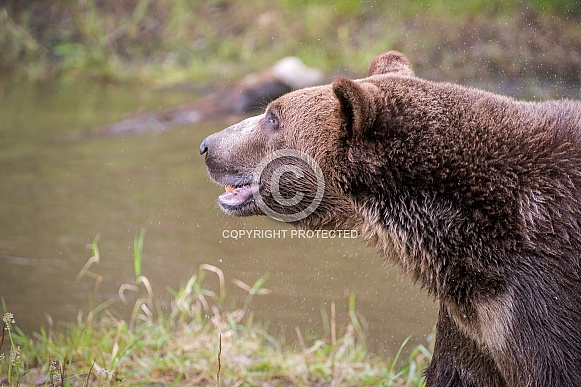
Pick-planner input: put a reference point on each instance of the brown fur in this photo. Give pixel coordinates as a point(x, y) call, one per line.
point(476, 195)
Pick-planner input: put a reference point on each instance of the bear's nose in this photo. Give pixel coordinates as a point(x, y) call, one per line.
point(204, 146)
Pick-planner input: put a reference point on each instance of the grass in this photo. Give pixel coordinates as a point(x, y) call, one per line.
point(200, 339)
point(167, 41)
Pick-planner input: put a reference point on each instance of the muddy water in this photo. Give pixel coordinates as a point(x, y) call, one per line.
point(60, 189)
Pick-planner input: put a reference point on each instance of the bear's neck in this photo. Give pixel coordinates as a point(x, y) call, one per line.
point(427, 239)
point(439, 195)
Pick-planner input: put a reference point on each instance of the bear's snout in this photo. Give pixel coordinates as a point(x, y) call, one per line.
point(214, 157)
point(204, 145)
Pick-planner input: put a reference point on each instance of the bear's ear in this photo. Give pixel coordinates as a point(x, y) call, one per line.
point(356, 106)
point(391, 62)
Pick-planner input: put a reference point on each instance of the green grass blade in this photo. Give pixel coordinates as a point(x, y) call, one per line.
point(138, 252)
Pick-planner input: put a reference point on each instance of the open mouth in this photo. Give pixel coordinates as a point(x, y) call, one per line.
point(237, 196)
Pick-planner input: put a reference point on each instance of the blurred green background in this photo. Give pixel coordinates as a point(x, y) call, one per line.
point(167, 41)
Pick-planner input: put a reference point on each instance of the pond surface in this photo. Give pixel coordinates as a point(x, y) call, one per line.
point(60, 189)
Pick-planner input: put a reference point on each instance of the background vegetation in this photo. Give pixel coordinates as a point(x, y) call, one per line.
point(167, 40)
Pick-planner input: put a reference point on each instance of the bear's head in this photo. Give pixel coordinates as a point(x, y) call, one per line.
point(294, 161)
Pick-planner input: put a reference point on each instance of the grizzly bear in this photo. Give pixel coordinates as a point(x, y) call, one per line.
point(476, 195)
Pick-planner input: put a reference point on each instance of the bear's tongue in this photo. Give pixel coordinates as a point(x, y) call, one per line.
point(237, 196)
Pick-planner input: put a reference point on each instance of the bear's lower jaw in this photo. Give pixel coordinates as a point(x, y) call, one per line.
point(246, 208)
point(237, 197)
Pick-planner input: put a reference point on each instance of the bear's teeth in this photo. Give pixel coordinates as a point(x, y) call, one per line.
point(229, 188)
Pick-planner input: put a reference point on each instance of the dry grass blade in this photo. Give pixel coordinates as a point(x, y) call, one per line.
point(86, 382)
point(219, 361)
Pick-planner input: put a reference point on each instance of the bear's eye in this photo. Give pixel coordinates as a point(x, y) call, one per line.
point(272, 121)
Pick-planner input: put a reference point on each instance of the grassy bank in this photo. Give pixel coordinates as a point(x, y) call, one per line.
point(192, 40)
point(200, 338)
